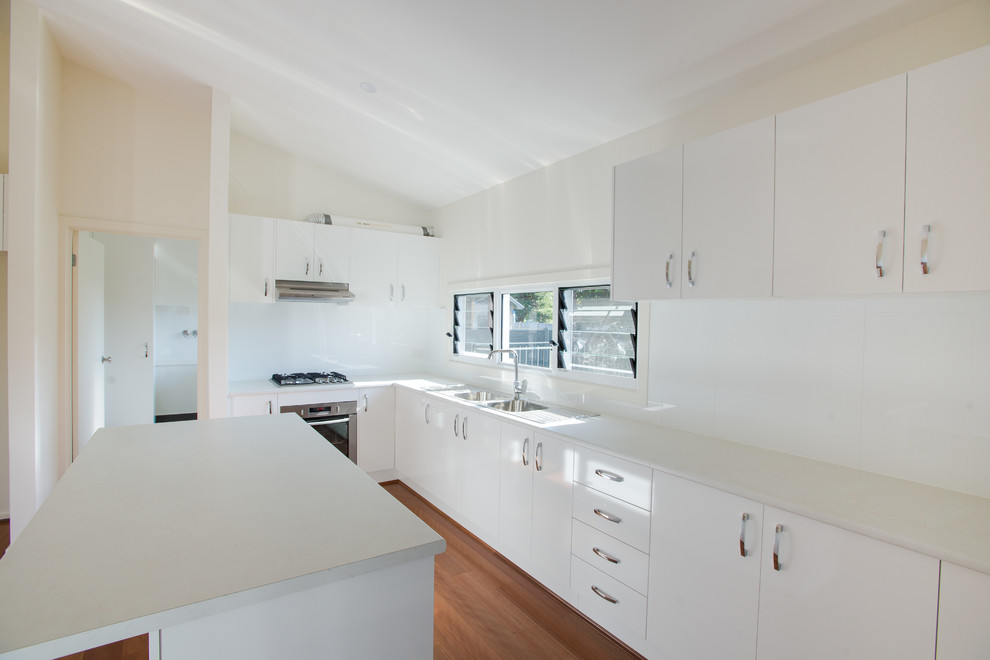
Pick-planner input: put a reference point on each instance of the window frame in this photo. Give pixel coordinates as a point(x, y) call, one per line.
point(554, 371)
point(471, 357)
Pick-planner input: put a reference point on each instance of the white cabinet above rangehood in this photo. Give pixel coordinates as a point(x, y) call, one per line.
point(382, 268)
point(306, 251)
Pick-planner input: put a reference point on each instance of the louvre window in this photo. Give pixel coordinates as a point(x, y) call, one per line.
point(594, 333)
point(474, 324)
point(527, 327)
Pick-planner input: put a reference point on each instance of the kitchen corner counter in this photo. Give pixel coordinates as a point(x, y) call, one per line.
point(156, 526)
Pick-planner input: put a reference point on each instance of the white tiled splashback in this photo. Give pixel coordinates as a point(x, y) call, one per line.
point(898, 385)
point(352, 339)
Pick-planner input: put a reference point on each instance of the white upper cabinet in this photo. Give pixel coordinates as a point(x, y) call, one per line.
point(252, 259)
point(947, 214)
point(728, 213)
point(646, 230)
point(309, 251)
point(839, 215)
point(394, 269)
point(836, 594)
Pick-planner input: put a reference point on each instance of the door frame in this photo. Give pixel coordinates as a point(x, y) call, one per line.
point(68, 227)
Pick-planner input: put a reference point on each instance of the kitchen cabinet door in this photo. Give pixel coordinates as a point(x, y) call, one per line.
point(646, 227)
point(294, 248)
point(418, 269)
point(253, 404)
point(516, 495)
point(728, 213)
point(376, 429)
point(838, 594)
point(412, 441)
point(948, 175)
point(553, 482)
point(480, 437)
point(373, 267)
point(252, 259)
point(839, 184)
point(331, 253)
point(963, 614)
point(704, 567)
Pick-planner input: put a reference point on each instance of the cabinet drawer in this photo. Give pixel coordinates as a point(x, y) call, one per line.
point(619, 478)
point(630, 524)
point(611, 556)
point(607, 600)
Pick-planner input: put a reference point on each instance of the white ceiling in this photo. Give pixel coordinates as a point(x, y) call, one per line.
point(470, 93)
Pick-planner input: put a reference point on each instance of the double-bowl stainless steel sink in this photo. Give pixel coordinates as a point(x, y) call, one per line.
point(499, 401)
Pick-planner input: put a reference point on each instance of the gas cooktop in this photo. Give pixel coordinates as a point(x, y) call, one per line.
point(310, 378)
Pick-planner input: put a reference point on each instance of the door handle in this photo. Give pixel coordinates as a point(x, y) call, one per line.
point(106, 359)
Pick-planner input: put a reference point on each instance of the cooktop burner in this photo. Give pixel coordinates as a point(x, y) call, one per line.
point(310, 378)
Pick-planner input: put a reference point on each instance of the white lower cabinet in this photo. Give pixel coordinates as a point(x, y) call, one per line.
point(837, 594)
point(553, 481)
point(412, 431)
point(253, 404)
point(480, 439)
point(704, 570)
point(515, 519)
point(376, 429)
point(963, 614)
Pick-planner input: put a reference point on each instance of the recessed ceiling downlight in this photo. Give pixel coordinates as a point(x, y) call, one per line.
point(369, 87)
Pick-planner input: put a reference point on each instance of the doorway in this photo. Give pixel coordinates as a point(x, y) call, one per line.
point(135, 335)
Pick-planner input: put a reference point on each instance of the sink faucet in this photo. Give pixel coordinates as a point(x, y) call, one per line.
point(517, 387)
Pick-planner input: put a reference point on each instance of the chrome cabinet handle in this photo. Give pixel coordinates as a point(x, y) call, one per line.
point(608, 516)
point(604, 555)
point(269, 406)
point(321, 267)
point(457, 420)
point(694, 255)
point(666, 272)
point(266, 287)
point(881, 236)
point(391, 292)
point(365, 403)
point(776, 547)
point(464, 427)
point(601, 594)
point(402, 289)
point(525, 452)
point(307, 265)
point(925, 230)
point(539, 457)
point(426, 413)
point(611, 476)
point(742, 535)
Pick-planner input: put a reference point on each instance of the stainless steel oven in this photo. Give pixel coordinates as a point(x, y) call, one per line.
point(336, 422)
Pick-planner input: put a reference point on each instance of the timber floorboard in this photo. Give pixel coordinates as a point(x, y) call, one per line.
point(484, 607)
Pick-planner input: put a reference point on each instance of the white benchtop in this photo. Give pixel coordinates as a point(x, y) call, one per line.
point(161, 524)
point(937, 522)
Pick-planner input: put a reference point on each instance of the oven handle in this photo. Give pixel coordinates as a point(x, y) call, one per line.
point(324, 421)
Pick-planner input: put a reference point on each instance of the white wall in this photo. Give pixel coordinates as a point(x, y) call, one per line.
point(32, 262)
point(714, 364)
point(267, 181)
point(176, 300)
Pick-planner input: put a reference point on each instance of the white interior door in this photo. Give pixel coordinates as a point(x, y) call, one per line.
point(129, 331)
point(90, 406)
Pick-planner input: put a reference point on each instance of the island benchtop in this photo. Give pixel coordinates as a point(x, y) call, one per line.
point(160, 524)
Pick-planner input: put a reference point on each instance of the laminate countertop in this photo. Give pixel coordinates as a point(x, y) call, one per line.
point(944, 524)
point(157, 525)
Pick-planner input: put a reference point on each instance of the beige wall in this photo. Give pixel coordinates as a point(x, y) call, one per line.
point(4, 85)
point(270, 182)
point(564, 211)
point(130, 156)
point(32, 263)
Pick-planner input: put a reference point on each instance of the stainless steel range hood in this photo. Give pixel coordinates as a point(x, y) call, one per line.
point(304, 291)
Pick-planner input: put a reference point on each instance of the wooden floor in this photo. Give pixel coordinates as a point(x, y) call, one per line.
point(484, 607)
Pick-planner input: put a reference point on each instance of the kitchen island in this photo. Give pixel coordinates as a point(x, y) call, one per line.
point(249, 537)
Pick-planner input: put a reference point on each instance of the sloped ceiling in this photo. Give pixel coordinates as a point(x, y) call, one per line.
point(434, 100)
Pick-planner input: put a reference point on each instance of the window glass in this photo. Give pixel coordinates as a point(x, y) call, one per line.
point(474, 324)
point(596, 334)
point(527, 327)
